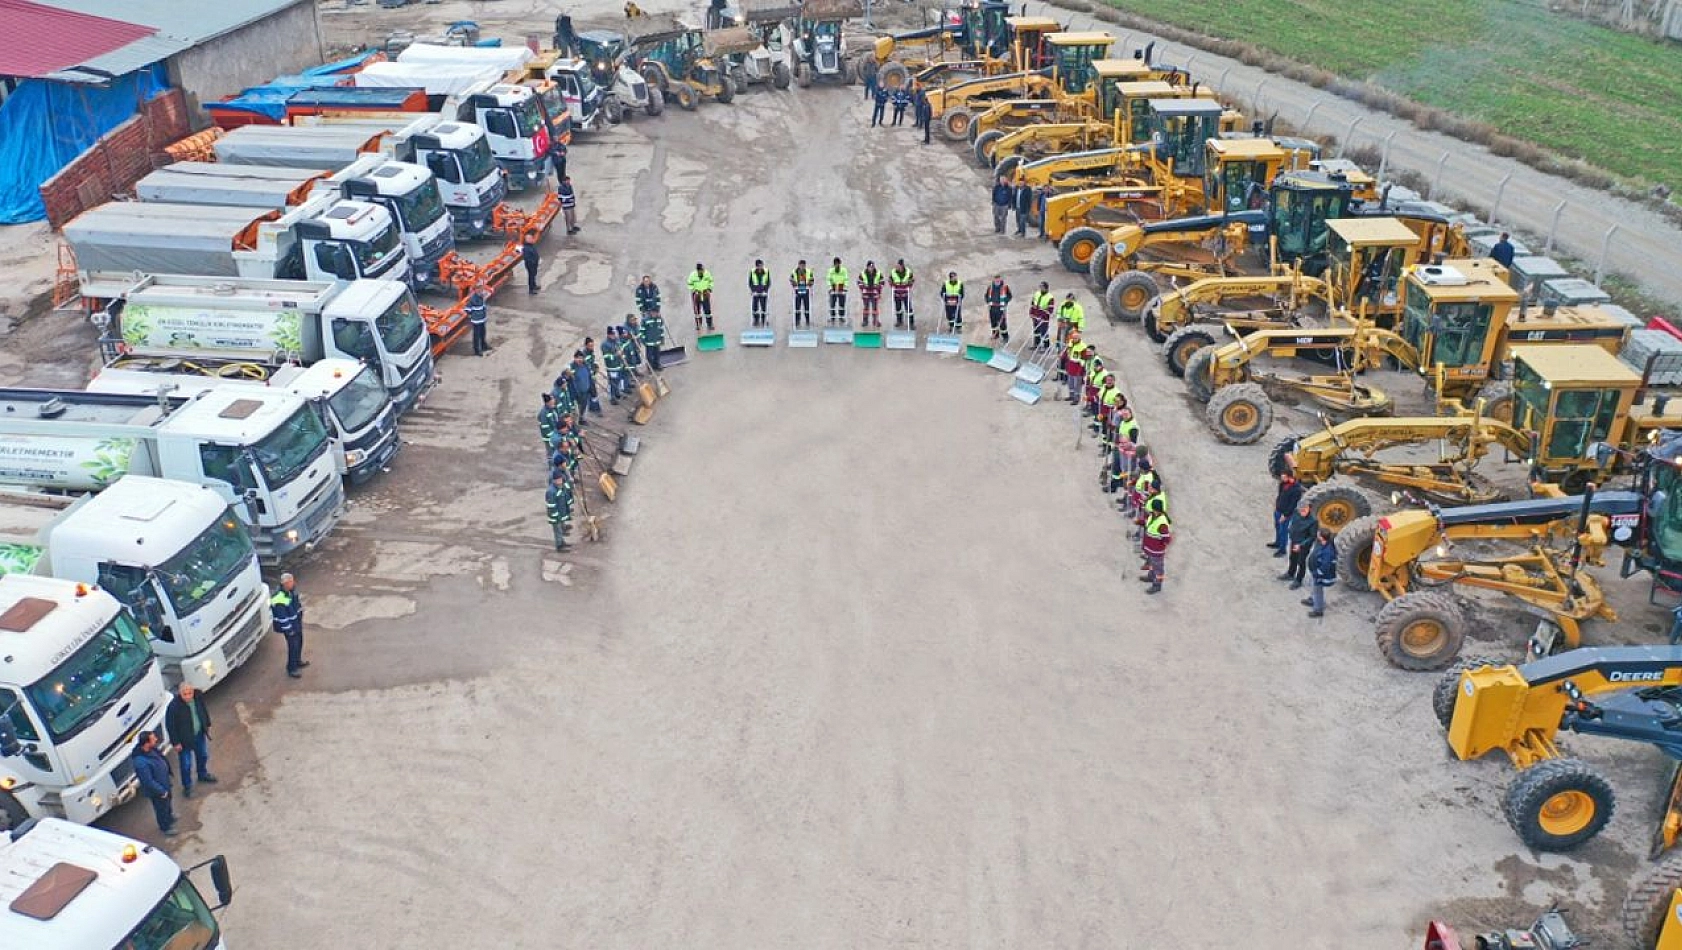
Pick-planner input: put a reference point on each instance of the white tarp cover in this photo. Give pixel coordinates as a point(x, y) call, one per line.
point(438, 79)
point(284, 146)
point(153, 238)
point(502, 57)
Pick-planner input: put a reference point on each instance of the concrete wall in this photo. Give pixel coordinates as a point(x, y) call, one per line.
point(286, 42)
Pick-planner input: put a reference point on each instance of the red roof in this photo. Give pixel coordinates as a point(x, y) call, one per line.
point(41, 40)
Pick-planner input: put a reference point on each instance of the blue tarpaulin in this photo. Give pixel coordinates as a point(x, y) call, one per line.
point(44, 125)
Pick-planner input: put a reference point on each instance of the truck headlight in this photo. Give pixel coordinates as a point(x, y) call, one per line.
point(354, 457)
point(292, 534)
point(208, 668)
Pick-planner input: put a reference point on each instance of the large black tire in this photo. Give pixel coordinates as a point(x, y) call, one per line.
point(954, 125)
point(803, 75)
point(850, 72)
point(1199, 374)
point(779, 76)
point(1007, 167)
point(1182, 343)
point(983, 147)
point(726, 89)
point(1421, 630)
point(688, 97)
point(1336, 504)
point(1149, 324)
point(1128, 294)
point(656, 101)
point(12, 812)
point(1277, 461)
point(1078, 246)
point(1447, 691)
point(1098, 269)
point(1498, 400)
point(1354, 552)
point(893, 76)
point(656, 78)
point(1647, 905)
point(1240, 414)
point(1557, 804)
point(613, 110)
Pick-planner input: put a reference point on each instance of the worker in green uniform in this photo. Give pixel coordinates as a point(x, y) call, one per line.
point(701, 295)
point(559, 499)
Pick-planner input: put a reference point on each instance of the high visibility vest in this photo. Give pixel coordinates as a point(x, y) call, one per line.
point(901, 279)
point(1110, 396)
point(1071, 312)
point(1157, 525)
point(838, 278)
point(700, 282)
point(952, 291)
point(1142, 484)
point(1040, 305)
point(1077, 354)
point(870, 279)
point(759, 281)
point(1128, 429)
point(801, 279)
point(998, 294)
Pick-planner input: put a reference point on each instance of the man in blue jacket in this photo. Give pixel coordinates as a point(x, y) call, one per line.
point(152, 770)
point(1004, 198)
point(288, 610)
point(1322, 567)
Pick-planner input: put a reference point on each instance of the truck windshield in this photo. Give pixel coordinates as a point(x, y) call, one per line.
point(528, 116)
point(373, 255)
point(359, 403)
point(421, 208)
point(400, 326)
point(72, 696)
point(203, 568)
point(284, 452)
point(476, 161)
point(181, 921)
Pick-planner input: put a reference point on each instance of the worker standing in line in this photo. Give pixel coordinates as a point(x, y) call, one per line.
point(802, 280)
point(837, 282)
point(1110, 399)
point(1144, 485)
point(569, 205)
point(1023, 199)
point(952, 298)
point(1125, 447)
point(478, 317)
point(870, 296)
point(1093, 371)
point(902, 98)
point(529, 257)
point(653, 337)
point(548, 418)
point(701, 295)
point(1322, 565)
point(567, 449)
point(648, 297)
point(628, 345)
point(1039, 313)
point(1285, 501)
point(878, 107)
point(1004, 196)
point(590, 360)
point(613, 362)
point(925, 113)
point(561, 393)
point(583, 386)
point(1071, 318)
point(559, 500)
point(902, 280)
point(759, 291)
point(1299, 534)
point(1074, 351)
point(998, 298)
point(1159, 533)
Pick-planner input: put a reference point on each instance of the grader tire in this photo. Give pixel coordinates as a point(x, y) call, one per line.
point(983, 147)
point(1354, 552)
point(688, 97)
point(1007, 167)
point(1277, 462)
point(1421, 630)
point(850, 72)
point(955, 125)
point(1335, 505)
point(1182, 343)
point(1447, 690)
point(1078, 246)
point(893, 76)
point(1149, 322)
point(1498, 400)
point(1098, 269)
point(1126, 296)
point(779, 76)
point(1647, 905)
point(656, 101)
point(1240, 414)
point(1557, 804)
point(1199, 374)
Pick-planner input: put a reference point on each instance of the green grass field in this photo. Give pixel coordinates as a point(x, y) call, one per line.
point(1612, 99)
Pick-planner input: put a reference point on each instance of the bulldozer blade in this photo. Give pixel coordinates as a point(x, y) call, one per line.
point(867, 340)
point(642, 415)
point(609, 487)
point(759, 338)
point(1025, 392)
point(673, 355)
point(645, 394)
point(902, 339)
point(1670, 820)
point(621, 465)
point(629, 444)
point(838, 335)
point(802, 339)
point(943, 343)
point(709, 342)
point(977, 354)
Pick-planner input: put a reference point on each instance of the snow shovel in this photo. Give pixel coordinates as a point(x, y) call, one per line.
point(592, 525)
point(976, 353)
point(604, 481)
point(1007, 359)
point(629, 444)
point(801, 339)
point(868, 339)
point(760, 336)
point(1025, 392)
point(673, 355)
point(1039, 365)
point(642, 415)
point(709, 342)
point(943, 343)
point(902, 339)
point(660, 387)
point(646, 394)
point(843, 335)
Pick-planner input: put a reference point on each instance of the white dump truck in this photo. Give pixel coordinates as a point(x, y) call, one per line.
point(348, 394)
point(172, 553)
point(327, 240)
point(77, 684)
point(265, 453)
point(408, 192)
point(217, 323)
point(68, 887)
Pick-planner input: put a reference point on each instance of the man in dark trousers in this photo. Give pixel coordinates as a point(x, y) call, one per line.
point(1285, 502)
point(648, 297)
point(528, 257)
point(1299, 534)
point(653, 330)
point(152, 769)
point(1004, 196)
point(902, 98)
point(802, 279)
point(759, 292)
point(1322, 568)
point(478, 318)
point(558, 501)
point(925, 114)
point(998, 297)
point(1502, 251)
point(288, 608)
point(583, 385)
point(879, 106)
point(1025, 198)
point(548, 418)
point(569, 204)
point(188, 724)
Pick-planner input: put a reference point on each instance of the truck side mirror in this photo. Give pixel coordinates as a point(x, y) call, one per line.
point(220, 879)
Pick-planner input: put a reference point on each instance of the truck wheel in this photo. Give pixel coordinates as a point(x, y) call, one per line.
point(656, 101)
point(1354, 552)
point(1421, 630)
point(614, 111)
point(1335, 504)
point(1647, 905)
point(1078, 246)
point(1200, 374)
point(1445, 693)
point(983, 147)
point(12, 812)
point(1557, 804)
point(1182, 343)
point(688, 97)
point(955, 125)
point(779, 75)
point(849, 72)
point(1278, 457)
point(893, 76)
point(1126, 296)
point(1240, 414)
point(1098, 269)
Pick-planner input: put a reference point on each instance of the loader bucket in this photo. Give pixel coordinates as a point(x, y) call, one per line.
point(759, 338)
point(943, 343)
point(902, 339)
point(976, 353)
point(802, 339)
point(673, 355)
point(843, 335)
point(867, 340)
point(709, 342)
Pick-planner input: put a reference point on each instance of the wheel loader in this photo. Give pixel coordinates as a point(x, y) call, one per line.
point(672, 57)
point(763, 60)
point(1069, 73)
point(819, 43)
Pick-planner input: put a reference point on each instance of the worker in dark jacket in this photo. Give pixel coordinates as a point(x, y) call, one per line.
point(558, 499)
point(152, 771)
point(998, 297)
point(1503, 251)
point(1299, 535)
point(548, 418)
point(879, 105)
point(1004, 197)
point(653, 332)
point(1322, 567)
point(902, 98)
point(1024, 199)
point(759, 293)
point(925, 113)
point(1284, 505)
point(287, 606)
point(528, 257)
point(648, 296)
point(478, 318)
point(188, 724)
point(583, 385)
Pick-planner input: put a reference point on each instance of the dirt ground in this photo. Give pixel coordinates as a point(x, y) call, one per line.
point(861, 661)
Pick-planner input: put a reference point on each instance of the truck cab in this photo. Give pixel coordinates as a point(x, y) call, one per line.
point(79, 682)
point(68, 887)
point(571, 88)
point(459, 155)
point(350, 240)
point(378, 323)
point(416, 204)
point(520, 133)
point(170, 552)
